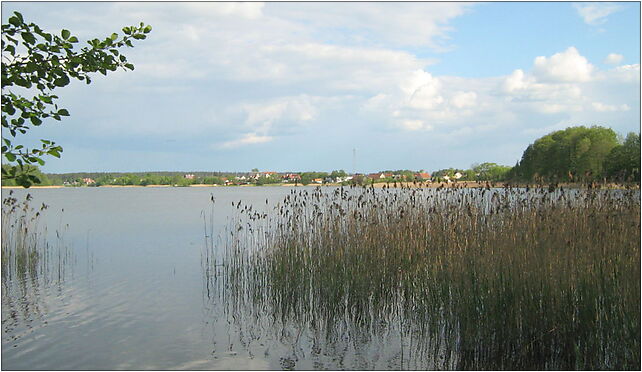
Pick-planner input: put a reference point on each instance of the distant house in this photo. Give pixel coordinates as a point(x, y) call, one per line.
point(88, 181)
point(291, 177)
point(189, 176)
point(317, 180)
point(268, 174)
point(376, 176)
point(458, 175)
point(422, 176)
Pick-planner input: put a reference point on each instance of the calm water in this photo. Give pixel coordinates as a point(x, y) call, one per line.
point(125, 288)
point(132, 295)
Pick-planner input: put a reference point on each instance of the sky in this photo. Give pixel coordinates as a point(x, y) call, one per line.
point(299, 86)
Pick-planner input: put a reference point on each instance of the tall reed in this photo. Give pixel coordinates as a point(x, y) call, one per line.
point(30, 261)
point(470, 278)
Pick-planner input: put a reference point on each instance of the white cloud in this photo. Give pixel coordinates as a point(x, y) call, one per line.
point(422, 90)
point(398, 24)
point(567, 66)
point(247, 10)
point(292, 110)
point(596, 13)
point(613, 59)
point(601, 107)
point(247, 139)
point(517, 81)
point(464, 99)
point(625, 73)
point(412, 124)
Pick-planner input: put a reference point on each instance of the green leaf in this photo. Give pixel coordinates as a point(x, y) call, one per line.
point(147, 29)
point(65, 34)
point(10, 48)
point(114, 36)
point(35, 120)
point(15, 21)
point(28, 37)
point(129, 66)
point(63, 112)
point(19, 16)
point(61, 81)
point(40, 161)
point(10, 156)
point(73, 39)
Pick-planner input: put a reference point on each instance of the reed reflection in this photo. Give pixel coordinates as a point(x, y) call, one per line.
point(449, 278)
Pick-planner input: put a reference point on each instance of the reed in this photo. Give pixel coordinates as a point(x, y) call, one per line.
point(528, 278)
point(29, 259)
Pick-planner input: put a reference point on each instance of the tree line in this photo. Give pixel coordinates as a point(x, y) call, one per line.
point(580, 154)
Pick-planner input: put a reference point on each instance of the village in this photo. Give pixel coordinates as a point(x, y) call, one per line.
point(249, 178)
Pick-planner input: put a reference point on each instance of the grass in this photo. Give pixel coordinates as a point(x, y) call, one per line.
point(542, 278)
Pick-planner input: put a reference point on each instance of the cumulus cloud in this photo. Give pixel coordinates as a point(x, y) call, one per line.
point(613, 59)
point(464, 99)
point(422, 90)
point(567, 66)
point(596, 13)
point(516, 81)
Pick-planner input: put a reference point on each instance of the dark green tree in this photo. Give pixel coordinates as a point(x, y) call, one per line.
point(623, 162)
point(572, 154)
point(34, 64)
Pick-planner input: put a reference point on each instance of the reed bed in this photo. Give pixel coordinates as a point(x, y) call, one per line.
point(528, 278)
point(30, 260)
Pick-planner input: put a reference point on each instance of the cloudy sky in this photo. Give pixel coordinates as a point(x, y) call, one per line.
point(298, 86)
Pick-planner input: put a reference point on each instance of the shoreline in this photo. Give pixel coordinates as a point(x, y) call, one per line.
point(461, 184)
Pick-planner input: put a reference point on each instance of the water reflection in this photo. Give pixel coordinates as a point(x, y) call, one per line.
point(32, 267)
point(429, 279)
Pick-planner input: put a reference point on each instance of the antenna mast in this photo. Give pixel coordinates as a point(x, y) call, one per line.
point(354, 160)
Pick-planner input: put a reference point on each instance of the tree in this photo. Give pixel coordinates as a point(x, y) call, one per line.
point(623, 162)
point(572, 154)
point(488, 172)
point(34, 64)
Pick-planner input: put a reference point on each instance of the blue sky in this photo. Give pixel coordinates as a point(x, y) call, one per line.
point(297, 86)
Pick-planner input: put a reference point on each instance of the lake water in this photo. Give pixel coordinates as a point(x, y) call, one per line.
point(126, 288)
point(132, 295)
point(130, 292)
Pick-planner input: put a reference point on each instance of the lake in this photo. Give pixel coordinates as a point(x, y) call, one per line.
point(133, 294)
point(132, 278)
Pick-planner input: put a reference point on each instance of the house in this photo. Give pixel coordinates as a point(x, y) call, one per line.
point(291, 177)
point(422, 176)
point(88, 181)
point(189, 176)
point(376, 176)
point(317, 180)
point(268, 174)
point(458, 175)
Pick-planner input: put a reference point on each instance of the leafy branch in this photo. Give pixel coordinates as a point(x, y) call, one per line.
point(36, 62)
